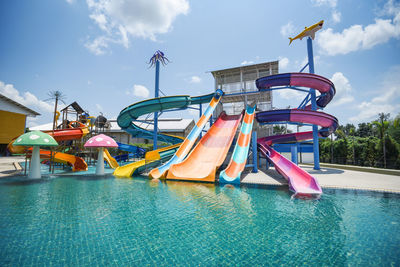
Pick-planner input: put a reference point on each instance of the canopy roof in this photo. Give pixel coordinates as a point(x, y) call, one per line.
point(101, 140)
point(35, 138)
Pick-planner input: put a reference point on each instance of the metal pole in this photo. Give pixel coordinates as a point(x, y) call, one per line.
point(254, 151)
point(293, 150)
point(156, 90)
point(313, 105)
point(200, 113)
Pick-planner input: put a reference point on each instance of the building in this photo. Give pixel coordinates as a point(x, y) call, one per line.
point(239, 86)
point(171, 126)
point(12, 120)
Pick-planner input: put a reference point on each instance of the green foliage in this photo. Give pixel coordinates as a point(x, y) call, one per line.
point(366, 130)
point(280, 129)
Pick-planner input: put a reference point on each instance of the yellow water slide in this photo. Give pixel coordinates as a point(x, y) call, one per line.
point(110, 160)
point(151, 158)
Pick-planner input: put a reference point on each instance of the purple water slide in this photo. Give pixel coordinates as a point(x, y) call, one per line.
point(300, 182)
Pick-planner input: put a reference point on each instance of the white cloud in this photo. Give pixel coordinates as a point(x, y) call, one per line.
point(101, 21)
point(386, 101)
point(121, 19)
point(336, 16)
point(331, 3)
point(139, 91)
point(283, 62)
point(195, 79)
point(289, 94)
point(287, 29)
point(70, 1)
point(99, 107)
point(357, 37)
point(369, 111)
point(343, 90)
point(247, 62)
point(27, 99)
point(301, 64)
point(98, 45)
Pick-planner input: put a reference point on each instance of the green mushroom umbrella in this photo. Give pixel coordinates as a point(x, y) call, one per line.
point(35, 139)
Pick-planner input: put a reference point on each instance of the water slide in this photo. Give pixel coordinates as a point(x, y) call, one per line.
point(137, 151)
point(239, 157)
point(109, 159)
point(73, 133)
point(77, 163)
point(128, 121)
point(188, 143)
point(210, 152)
point(152, 159)
point(300, 182)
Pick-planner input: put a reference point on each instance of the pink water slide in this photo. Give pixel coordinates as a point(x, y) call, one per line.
point(300, 182)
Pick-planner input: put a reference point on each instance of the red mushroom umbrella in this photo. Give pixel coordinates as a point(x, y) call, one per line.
point(100, 141)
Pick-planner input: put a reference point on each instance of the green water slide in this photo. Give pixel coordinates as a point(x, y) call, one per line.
point(128, 117)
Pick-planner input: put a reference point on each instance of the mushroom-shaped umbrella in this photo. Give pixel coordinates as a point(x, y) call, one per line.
point(35, 139)
point(100, 141)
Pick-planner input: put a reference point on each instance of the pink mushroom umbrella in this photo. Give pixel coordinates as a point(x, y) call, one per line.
point(100, 141)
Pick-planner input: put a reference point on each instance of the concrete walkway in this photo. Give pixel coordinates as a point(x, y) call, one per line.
point(333, 178)
point(9, 165)
point(327, 177)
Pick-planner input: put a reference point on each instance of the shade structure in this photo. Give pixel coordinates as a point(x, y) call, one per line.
point(100, 141)
point(35, 139)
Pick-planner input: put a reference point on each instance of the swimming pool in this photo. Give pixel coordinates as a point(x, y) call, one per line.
point(90, 220)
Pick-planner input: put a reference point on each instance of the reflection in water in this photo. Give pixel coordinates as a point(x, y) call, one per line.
point(68, 221)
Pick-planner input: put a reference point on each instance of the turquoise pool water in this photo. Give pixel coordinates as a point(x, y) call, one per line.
point(88, 220)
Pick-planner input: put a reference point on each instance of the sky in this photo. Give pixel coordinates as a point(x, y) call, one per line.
point(96, 52)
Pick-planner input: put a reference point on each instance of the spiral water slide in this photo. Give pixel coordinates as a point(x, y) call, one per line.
point(300, 182)
point(128, 121)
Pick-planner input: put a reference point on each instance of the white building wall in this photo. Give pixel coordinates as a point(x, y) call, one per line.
point(10, 107)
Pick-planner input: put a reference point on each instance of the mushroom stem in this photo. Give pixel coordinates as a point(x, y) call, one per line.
point(100, 162)
point(34, 171)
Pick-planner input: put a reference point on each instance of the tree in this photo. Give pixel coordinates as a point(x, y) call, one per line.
point(382, 124)
point(280, 129)
point(352, 132)
point(56, 96)
point(365, 130)
point(394, 129)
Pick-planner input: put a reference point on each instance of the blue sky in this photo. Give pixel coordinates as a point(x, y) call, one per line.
point(96, 52)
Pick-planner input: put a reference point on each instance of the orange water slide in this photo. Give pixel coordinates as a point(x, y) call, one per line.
point(77, 163)
point(209, 154)
point(72, 133)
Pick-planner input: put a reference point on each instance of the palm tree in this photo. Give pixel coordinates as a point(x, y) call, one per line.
point(56, 96)
point(383, 124)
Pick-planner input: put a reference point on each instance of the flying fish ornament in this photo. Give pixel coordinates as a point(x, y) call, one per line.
point(308, 31)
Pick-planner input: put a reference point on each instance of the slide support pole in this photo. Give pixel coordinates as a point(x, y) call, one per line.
point(313, 105)
point(156, 90)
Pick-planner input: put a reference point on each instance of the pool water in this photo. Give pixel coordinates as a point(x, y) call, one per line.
point(89, 220)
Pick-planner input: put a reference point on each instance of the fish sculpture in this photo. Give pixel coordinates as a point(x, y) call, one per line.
point(308, 31)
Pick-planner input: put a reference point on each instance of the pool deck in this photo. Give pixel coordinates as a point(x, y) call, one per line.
point(334, 178)
point(327, 177)
point(10, 165)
